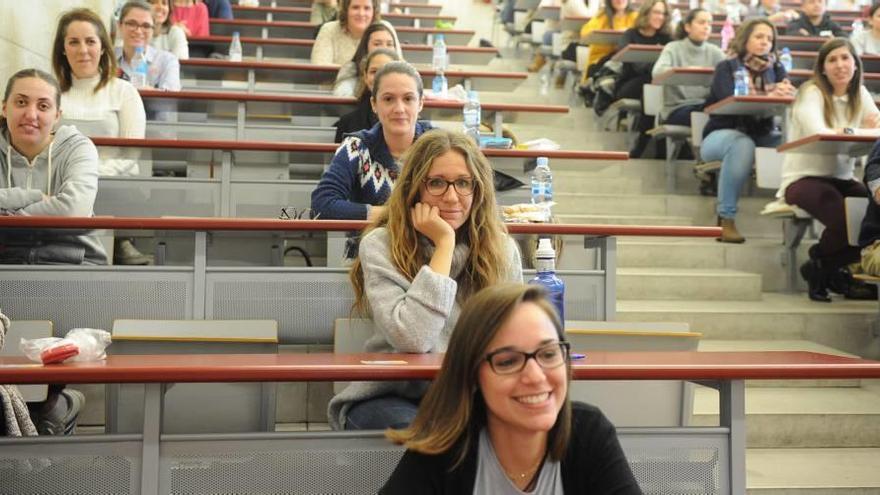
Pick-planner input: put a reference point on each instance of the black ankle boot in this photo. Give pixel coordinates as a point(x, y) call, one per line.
point(817, 280)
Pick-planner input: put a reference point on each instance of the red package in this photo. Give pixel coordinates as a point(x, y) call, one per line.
point(59, 353)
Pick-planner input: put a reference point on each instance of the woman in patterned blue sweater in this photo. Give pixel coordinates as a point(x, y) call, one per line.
point(367, 163)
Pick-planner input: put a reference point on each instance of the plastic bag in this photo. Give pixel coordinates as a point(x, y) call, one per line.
point(79, 345)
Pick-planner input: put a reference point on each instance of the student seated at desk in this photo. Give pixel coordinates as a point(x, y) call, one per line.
point(832, 101)
point(652, 28)
point(363, 117)
point(618, 15)
point(97, 102)
point(732, 139)
point(498, 418)
point(868, 41)
point(814, 21)
point(690, 49)
point(439, 241)
point(376, 36)
point(869, 235)
point(136, 26)
point(167, 35)
point(45, 173)
point(338, 40)
point(323, 11)
point(365, 167)
point(773, 11)
point(192, 17)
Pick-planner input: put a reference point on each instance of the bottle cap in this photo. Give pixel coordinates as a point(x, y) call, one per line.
point(542, 162)
point(786, 50)
point(439, 37)
point(545, 249)
point(235, 33)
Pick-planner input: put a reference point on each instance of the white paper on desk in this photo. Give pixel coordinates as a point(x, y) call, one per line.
point(541, 144)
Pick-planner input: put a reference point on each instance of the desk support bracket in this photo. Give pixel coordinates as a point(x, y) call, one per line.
point(153, 399)
point(606, 260)
point(733, 416)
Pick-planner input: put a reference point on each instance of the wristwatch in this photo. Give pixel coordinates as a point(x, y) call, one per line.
point(849, 130)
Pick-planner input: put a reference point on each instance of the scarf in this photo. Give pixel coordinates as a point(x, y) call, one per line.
point(757, 66)
point(18, 420)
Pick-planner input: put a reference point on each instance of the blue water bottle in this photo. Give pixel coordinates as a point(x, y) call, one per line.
point(546, 267)
point(741, 82)
point(786, 60)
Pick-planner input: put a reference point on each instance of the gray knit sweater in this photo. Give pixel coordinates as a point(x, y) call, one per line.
point(15, 411)
point(684, 53)
point(409, 316)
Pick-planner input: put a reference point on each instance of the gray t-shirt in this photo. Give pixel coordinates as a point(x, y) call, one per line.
point(491, 478)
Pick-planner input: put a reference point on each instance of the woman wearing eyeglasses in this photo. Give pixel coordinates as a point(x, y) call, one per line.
point(136, 26)
point(439, 241)
point(498, 419)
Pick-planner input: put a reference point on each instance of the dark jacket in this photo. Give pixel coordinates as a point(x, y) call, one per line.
point(722, 87)
point(795, 26)
point(594, 464)
point(362, 117)
point(870, 231)
point(632, 36)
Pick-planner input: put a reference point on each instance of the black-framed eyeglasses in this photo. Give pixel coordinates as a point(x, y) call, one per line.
point(133, 25)
point(508, 361)
point(437, 186)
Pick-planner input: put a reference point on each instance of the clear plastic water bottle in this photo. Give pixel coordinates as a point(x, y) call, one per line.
point(857, 27)
point(785, 60)
point(139, 68)
point(472, 116)
point(542, 182)
point(732, 9)
point(675, 18)
point(546, 267)
point(440, 86)
point(235, 48)
point(727, 33)
point(438, 61)
point(741, 82)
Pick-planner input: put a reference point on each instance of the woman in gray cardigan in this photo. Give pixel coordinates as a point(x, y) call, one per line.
point(438, 241)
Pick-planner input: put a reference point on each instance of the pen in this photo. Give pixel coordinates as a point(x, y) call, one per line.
point(575, 355)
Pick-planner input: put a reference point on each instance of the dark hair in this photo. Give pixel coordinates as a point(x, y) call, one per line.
point(364, 45)
point(741, 40)
point(820, 80)
point(645, 15)
point(361, 90)
point(165, 26)
point(343, 12)
point(873, 8)
point(134, 4)
point(399, 68)
point(609, 10)
point(680, 32)
point(60, 65)
point(25, 74)
point(453, 411)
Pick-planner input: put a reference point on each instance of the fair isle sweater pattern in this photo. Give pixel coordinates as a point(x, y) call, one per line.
point(372, 172)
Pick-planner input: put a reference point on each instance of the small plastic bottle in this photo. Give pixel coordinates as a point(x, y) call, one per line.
point(741, 82)
point(727, 33)
point(235, 48)
point(785, 60)
point(542, 182)
point(675, 18)
point(857, 27)
point(440, 86)
point(139, 68)
point(471, 115)
point(546, 267)
point(438, 60)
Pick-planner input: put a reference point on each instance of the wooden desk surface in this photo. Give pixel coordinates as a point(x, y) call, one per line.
point(686, 76)
point(835, 144)
point(638, 53)
point(749, 105)
point(343, 367)
point(271, 224)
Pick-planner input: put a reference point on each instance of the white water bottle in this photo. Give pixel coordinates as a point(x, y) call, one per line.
point(235, 48)
point(139, 68)
point(472, 117)
point(727, 33)
point(857, 27)
point(542, 182)
point(786, 60)
point(675, 18)
point(438, 61)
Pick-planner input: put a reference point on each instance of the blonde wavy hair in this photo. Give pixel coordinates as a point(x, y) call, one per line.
point(483, 230)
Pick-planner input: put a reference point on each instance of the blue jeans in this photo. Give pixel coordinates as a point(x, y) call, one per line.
point(736, 150)
point(381, 413)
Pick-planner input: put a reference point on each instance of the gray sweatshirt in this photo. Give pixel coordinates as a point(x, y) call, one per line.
point(684, 53)
point(66, 172)
point(409, 316)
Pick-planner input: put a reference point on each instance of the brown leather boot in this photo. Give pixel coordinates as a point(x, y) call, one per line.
point(729, 232)
point(537, 63)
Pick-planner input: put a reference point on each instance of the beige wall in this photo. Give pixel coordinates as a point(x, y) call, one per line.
point(27, 28)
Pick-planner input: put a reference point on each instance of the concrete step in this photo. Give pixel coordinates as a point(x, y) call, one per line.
point(780, 345)
point(579, 183)
point(801, 417)
point(764, 256)
point(843, 324)
point(852, 471)
point(687, 284)
point(623, 219)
